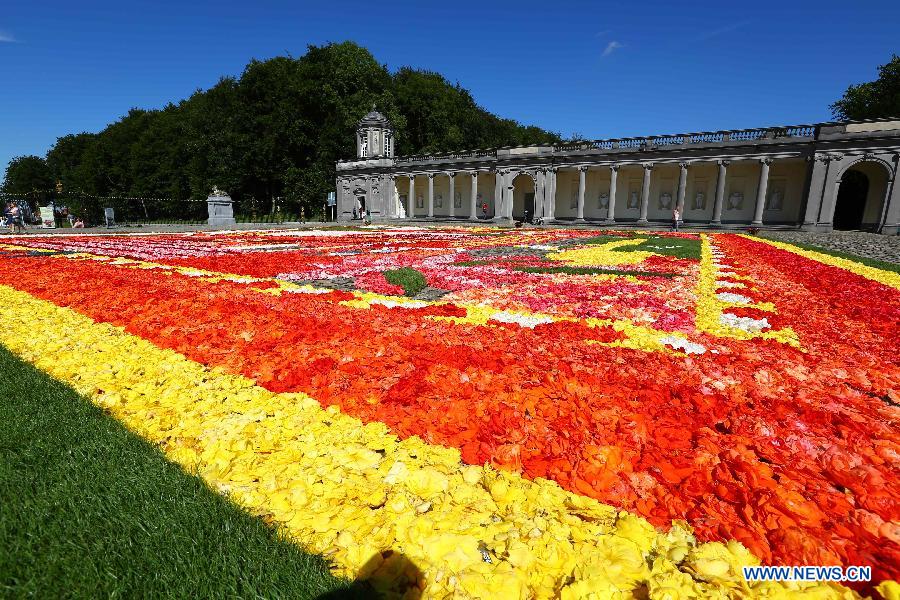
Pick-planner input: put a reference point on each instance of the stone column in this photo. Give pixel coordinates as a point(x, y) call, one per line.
point(582, 176)
point(411, 198)
point(817, 185)
point(510, 192)
point(431, 195)
point(761, 191)
point(498, 192)
point(391, 210)
point(550, 194)
point(473, 198)
point(720, 193)
point(613, 176)
point(682, 186)
point(891, 222)
point(831, 188)
point(540, 182)
point(645, 193)
point(452, 177)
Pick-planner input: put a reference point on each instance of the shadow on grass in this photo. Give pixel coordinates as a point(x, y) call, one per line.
point(88, 509)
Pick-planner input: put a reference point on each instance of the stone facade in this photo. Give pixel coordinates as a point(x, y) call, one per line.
point(813, 177)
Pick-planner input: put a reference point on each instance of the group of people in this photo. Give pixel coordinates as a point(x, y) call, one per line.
point(63, 213)
point(362, 214)
point(12, 217)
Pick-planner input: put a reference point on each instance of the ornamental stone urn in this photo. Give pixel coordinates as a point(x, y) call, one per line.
point(220, 207)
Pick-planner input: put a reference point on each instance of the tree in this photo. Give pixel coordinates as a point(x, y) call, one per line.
point(874, 99)
point(441, 116)
point(27, 174)
point(66, 156)
point(307, 188)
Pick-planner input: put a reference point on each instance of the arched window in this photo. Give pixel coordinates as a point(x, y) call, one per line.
point(363, 145)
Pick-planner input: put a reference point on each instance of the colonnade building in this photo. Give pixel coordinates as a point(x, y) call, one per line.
point(823, 176)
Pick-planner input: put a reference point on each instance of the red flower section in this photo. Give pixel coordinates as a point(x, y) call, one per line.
point(794, 452)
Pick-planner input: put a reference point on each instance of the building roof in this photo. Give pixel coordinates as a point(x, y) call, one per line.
point(374, 118)
point(815, 137)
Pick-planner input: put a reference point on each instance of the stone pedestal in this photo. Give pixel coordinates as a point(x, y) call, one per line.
point(221, 212)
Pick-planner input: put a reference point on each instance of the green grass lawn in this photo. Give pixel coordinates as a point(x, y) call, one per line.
point(411, 280)
point(90, 510)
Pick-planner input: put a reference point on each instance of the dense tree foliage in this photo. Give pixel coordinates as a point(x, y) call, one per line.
point(874, 99)
point(26, 174)
point(271, 135)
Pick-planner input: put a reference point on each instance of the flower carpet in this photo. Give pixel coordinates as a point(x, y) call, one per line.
point(517, 413)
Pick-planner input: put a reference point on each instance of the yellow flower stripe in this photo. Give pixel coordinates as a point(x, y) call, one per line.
point(354, 492)
point(887, 278)
point(608, 254)
point(710, 307)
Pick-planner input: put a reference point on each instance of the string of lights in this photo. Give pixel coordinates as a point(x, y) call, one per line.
point(58, 192)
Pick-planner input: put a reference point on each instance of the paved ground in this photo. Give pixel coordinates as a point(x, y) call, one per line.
point(860, 243)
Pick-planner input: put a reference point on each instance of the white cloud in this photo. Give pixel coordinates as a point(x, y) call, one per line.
point(6, 37)
point(611, 47)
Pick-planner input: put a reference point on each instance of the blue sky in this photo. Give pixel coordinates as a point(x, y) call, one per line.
point(601, 69)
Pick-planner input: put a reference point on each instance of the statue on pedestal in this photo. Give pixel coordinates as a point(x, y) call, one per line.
point(220, 208)
point(735, 201)
point(699, 200)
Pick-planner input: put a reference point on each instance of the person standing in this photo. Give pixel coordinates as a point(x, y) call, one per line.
point(7, 216)
point(15, 214)
point(676, 217)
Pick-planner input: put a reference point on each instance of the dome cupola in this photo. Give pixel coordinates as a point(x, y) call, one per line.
point(374, 136)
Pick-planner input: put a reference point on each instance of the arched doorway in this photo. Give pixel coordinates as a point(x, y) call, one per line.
point(851, 200)
point(359, 207)
point(523, 197)
point(860, 196)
